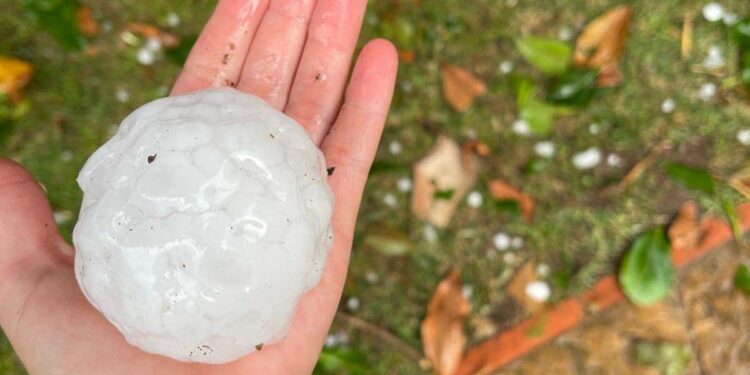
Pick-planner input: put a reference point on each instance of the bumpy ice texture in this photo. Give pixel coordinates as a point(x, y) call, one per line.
point(204, 220)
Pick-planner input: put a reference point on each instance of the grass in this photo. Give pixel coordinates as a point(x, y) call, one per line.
point(578, 234)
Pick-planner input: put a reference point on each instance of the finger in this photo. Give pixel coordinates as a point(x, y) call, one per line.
point(218, 54)
point(324, 67)
point(275, 51)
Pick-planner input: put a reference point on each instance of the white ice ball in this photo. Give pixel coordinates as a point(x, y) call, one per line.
point(204, 220)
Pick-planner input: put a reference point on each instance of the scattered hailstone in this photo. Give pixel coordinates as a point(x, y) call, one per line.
point(331, 341)
point(395, 147)
point(406, 85)
point(145, 56)
point(204, 221)
point(545, 149)
point(521, 127)
point(390, 200)
point(372, 277)
point(538, 291)
point(173, 20)
point(509, 258)
point(614, 160)
point(122, 95)
point(713, 12)
point(467, 291)
point(506, 67)
point(743, 136)
point(587, 159)
point(730, 19)
point(66, 155)
point(565, 34)
point(542, 270)
point(474, 199)
point(707, 91)
point(516, 243)
point(714, 59)
point(501, 241)
point(342, 337)
point(667, 106)
point(352, 303)
point(404, 185)
point(153, 44)
point(430, 233)
point(62, 216)
point(107, 26)
point(595, 128)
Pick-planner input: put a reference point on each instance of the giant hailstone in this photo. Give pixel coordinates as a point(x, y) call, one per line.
point(204, 220)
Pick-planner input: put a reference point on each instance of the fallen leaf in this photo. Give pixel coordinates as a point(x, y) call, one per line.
point(685, 231)
point(646, 272)
point(441, 180)
point(476, 147)
point(442, 329)
point(14, 75)
point(517, 287)
point(502, 191)
point(551, 56)
point(460, 87)
point(686, 40)
point(740, 181)
point(168, 40)
point(407, 56)
point(85, 21)
point(601, 44)
point(388, 241)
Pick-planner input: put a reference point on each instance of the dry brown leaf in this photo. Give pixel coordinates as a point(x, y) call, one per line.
point(740, 181)
point(517, 287)
point(85, 21)
point(460, 87)
point(502, 191)
point(601, 44)
point(168, 40)
point(442, 329)
point(685, 230)
point(444, 171)
point(476, 147)
point(14, 75)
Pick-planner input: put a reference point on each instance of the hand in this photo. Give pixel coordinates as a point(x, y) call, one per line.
point(295, 54)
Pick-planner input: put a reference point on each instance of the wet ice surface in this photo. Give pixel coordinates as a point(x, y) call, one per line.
point(204, 220)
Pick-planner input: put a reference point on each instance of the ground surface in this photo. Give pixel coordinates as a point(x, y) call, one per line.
point(580, 236)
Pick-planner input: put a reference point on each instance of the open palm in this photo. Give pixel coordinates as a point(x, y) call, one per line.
point(296, 55)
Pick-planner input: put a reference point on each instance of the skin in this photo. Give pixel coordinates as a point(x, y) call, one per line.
point(296, 55)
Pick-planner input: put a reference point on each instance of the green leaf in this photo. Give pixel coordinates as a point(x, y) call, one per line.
point(691, 177)
point(669, 358)
point(551, 56)
point(541, 116)
point(647, 273)
point(444, 194)
point(574, 88)
point(524, 88)
point(742, 279)
point(384, 166)
point(58, 18)
point(740, 32)
point(179, 54)
point(341, 361)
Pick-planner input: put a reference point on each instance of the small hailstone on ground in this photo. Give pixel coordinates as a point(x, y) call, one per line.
point(372, 277)
point(66, 155)
point(588, 158)
point(667, 106)
point(153, 44)
point(352, 303)
point(145, 56)
point(545, 149)
point(538, 291)
point(467, 291)
point(707, 91)
point(122, 95)
point(595, 128)
point(542, 270)
point(714, 59)
point(331, 341)
point(730, 19)
point(743, 136)
point(509, 258)
point(565, 34)
point(474, 199)
point(614, 160)
point(430, 233)
point(713, 12)
point(501, 241)
point(390, 200)
point(406, 85)
point(106, 26)
point(395, 147)
point(173, 20)
point(62, 216)
point(506, 67)
point(342, 337)
point(521, 127)
point(516, 243)
point(404, 184)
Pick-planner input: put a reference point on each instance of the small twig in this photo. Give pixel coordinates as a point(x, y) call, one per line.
point(638, 168)
point(381, 333)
